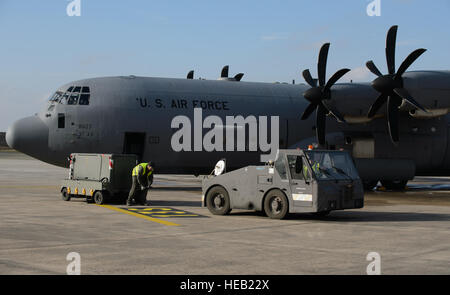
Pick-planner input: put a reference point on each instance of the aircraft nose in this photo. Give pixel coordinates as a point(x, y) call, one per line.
point(29, 136)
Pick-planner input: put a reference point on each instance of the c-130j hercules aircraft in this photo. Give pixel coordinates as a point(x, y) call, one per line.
point(136, 115)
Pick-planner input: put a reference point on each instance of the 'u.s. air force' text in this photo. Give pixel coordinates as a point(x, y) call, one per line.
point(216, 105)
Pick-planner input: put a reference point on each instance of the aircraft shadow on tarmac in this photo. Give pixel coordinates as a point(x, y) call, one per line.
point(360, 216)
point(175, 203)
point(178, 188)
point(429, 187)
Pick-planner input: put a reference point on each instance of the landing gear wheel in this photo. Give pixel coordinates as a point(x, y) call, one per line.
point(65, 195)
point(99, 197)
point(218, 201)
point(395, 185)
point(369, 184)
point(276, 205)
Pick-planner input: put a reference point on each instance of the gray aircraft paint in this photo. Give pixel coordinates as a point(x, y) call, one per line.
point(140, 104)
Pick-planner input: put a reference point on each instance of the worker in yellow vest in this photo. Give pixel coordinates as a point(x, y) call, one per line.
point(315, 167)
point(142, 179)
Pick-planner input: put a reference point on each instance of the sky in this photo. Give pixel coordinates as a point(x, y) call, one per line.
point(42, 47)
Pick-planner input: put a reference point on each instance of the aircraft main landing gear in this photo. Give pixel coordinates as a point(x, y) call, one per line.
point(395, 185)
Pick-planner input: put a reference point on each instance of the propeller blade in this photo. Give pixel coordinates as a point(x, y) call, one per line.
point(308, 78)
point(322, 64)
point(332, 110)
point(190, 75)
point(224, 73)
point(338, 116)
point(408, 61)
point(393, 119)
point(403, 93)
point(239, 76)
point(373, 68)
point(320, 124)
point(377, 105)
point(308, 111)
point(335, 78)
point(390, 49)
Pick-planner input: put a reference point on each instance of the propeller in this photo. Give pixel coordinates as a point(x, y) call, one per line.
point(318, 95)
point(224, 75)
point(390, 86)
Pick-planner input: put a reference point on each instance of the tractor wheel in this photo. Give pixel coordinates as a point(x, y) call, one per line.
point(276, 205)
point(218, 201)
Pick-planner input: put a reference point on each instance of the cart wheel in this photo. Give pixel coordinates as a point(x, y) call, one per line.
point(65, 196)
point(218, 201)
point(99, 197)
point(276, 205)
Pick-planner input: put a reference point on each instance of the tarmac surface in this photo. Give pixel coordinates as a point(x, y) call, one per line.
point(175, 235)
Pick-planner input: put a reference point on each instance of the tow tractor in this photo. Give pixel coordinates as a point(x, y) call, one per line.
point(297, 181)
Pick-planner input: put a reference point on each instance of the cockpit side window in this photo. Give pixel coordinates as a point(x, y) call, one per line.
point(85, 96)
point(73, 98)
point(75, 95)
point(64, 98)
point(56, 96)
point(84, 99)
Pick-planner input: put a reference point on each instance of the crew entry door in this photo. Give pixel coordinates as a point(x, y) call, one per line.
point(300, 180)
point(134, 143)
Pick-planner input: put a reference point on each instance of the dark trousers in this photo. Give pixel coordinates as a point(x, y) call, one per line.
point(139, 196)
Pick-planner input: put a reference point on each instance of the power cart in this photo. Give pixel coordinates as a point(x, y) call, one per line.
point(298, 181)
point(99, 178)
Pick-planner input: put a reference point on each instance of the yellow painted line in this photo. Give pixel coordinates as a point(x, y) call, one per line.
point(139, 215)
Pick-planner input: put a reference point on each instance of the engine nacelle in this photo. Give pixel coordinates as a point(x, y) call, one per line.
point(360, 119)
point(419, 114)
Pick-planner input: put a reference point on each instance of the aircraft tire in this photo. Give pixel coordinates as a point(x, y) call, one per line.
point(395, 185)
point(276, 205)
point(218, 201)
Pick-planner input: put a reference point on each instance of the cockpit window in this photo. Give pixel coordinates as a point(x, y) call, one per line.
point(84, 99)
point(56, 96)
point(75, 95)
point(65, 97)
point(73, 98)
